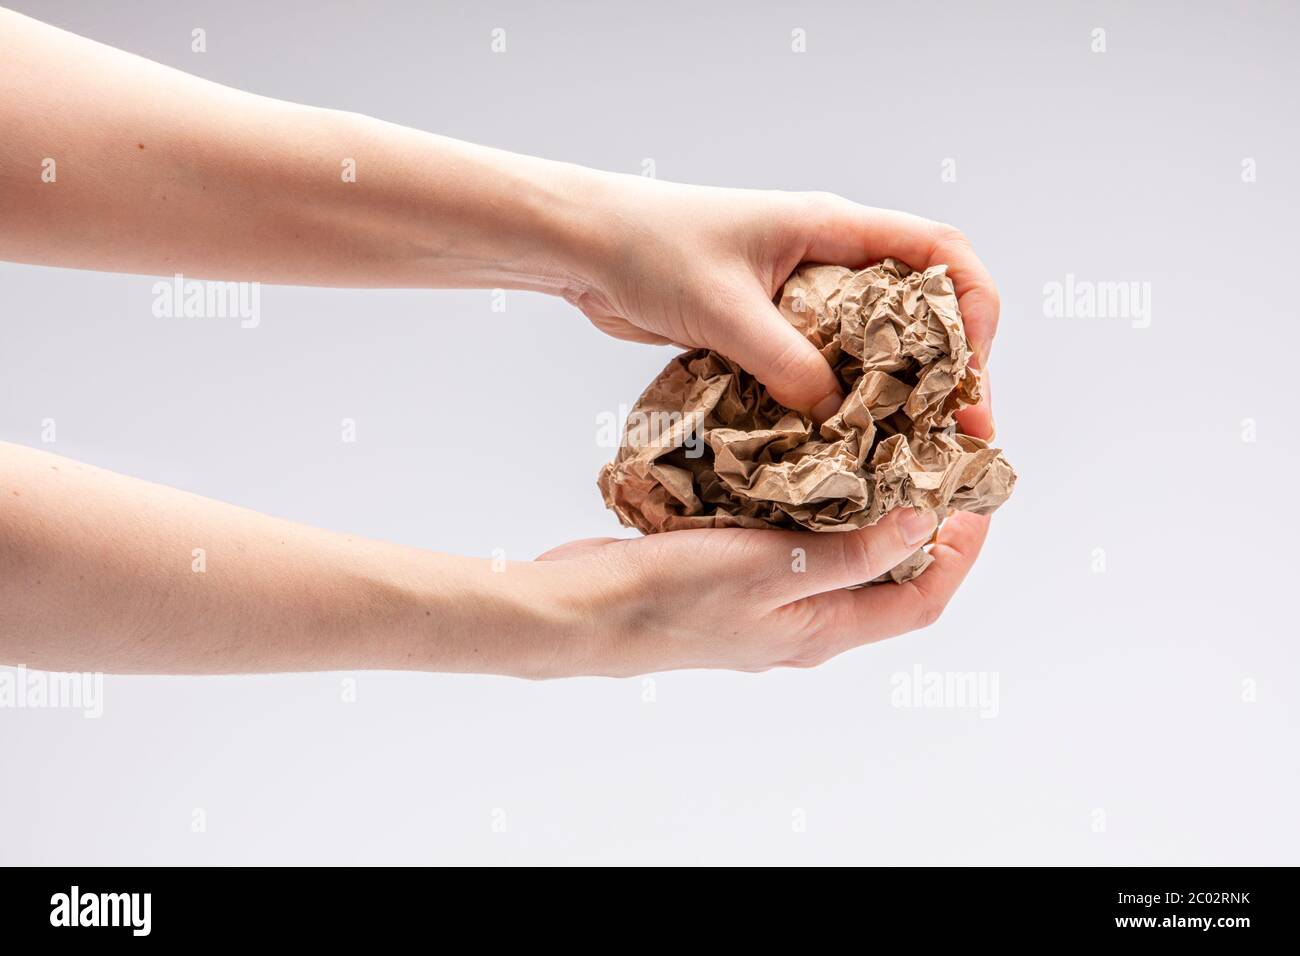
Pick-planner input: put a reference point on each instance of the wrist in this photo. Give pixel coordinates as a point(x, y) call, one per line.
point(425, 210)
point(468, 615)
point(625, 236)
point(576, 224)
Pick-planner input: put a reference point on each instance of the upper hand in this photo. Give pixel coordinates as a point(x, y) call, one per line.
point(699, 267)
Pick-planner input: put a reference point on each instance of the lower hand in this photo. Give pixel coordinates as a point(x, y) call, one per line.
point(732, 598)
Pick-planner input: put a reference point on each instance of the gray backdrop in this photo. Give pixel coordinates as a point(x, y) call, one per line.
point(1135, 599)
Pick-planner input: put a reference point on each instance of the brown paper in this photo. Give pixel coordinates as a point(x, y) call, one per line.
point(707, 447)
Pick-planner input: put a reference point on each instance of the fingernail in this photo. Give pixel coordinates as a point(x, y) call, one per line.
point(827, 407)
point(916, 526)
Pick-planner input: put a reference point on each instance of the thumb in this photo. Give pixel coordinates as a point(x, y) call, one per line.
point(773, 351)
point(844, 559)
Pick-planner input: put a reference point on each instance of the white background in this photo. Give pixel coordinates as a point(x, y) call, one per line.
point(1120, 693)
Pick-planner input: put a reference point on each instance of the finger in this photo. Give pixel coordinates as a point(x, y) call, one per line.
point(977, 420)
point(762, 342)
point(885, 610)
point(796, 564)
point(854, 235)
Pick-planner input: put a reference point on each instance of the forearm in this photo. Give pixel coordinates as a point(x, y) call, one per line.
point(103, 572)
point(156, 171)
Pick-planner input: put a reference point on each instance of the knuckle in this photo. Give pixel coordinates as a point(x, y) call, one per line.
point(726, 303)
point(821, 206)
point(824, 198)
point(944, 234)
point(983, 291)
point(929, 611)
point(761, 567)
point(806, 635)
point(792, 366)
point(769, 583)
point(994, 298)
point(809, 655)
point(861, 555)
point(790, 644)
point(801, 664)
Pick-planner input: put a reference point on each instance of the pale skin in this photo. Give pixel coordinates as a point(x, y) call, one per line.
point(159, 172)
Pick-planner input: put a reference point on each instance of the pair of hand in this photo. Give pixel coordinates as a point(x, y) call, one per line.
point(167, 174)
point(699, 267)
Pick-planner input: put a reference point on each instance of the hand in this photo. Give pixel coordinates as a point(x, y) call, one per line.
point(699, 267)
point(732, 599)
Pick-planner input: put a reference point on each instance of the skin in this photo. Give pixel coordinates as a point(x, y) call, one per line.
point(159, 172)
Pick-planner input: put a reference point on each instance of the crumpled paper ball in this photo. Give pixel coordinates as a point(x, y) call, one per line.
point(706, 446)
